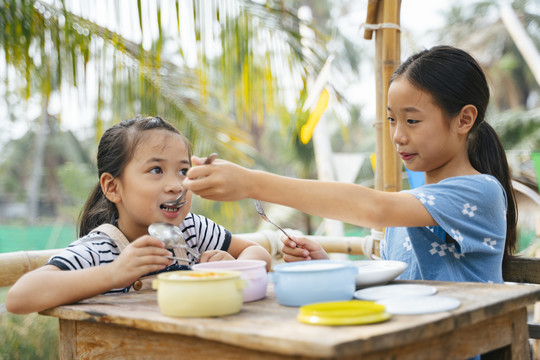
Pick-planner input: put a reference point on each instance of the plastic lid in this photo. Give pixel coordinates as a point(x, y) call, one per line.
point(352, 312)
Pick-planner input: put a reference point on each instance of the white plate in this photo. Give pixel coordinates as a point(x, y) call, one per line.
point(377, 293)
point(419, 305)
point(375, 272)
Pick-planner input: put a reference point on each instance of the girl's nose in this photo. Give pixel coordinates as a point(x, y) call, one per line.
point(174, 185)
point(398, 136)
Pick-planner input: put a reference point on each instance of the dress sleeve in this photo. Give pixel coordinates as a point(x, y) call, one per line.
point(470, 209)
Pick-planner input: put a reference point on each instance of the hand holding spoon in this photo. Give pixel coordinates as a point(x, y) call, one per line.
point(180, 201)
point(172, 237)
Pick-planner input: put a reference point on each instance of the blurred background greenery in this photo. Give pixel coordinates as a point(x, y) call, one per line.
point(233, 76)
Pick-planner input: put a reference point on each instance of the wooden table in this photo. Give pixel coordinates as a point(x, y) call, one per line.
point(492, 316)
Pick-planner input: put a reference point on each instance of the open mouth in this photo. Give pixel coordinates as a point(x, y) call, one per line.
point(169, 208)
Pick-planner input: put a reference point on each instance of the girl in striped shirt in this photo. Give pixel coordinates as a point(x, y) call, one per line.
point(141, 165)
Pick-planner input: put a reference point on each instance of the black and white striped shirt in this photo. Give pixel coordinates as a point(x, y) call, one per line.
point(97, 248)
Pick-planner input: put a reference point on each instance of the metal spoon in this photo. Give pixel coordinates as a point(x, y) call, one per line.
point(176, 258)
point(179, 202)
point(261, 212)
point(172, 237)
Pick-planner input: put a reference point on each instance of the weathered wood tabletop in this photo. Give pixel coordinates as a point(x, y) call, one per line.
point(491, 316)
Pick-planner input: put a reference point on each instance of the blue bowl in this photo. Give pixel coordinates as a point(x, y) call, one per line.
point(306, 282)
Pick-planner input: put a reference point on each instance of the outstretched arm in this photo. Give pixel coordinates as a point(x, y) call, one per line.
point(49, 286)
point(350, 203)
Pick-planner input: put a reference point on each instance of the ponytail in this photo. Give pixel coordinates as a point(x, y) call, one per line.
point(487, 155)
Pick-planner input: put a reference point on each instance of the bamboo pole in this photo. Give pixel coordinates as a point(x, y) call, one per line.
point(387, 59)
point(16, 264)
point(391, 47)
point(379, 100)
point(352, 245)
point(371, 17)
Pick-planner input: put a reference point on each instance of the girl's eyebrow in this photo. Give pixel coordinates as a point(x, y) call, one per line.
point(156, 159)
point(406, 109)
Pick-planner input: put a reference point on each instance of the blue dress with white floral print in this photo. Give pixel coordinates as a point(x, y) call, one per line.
point(472, 211)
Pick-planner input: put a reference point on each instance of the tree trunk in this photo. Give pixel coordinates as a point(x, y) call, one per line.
point(37, 168)
point(521, 38)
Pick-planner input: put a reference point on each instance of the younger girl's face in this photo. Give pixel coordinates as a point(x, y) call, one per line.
point(152, 177)
point(423, 136)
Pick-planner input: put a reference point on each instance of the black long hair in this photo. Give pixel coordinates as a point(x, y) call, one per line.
point(115, 150)
point(454, 79)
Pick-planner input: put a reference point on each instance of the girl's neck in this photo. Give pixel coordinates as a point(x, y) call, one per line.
point(130, 232)
point(462, 168)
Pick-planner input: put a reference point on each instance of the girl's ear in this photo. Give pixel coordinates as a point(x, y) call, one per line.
point(109, 186)
point(467, 117)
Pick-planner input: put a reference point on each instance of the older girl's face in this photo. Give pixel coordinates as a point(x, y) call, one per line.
point(152, 177)
point(424, 138)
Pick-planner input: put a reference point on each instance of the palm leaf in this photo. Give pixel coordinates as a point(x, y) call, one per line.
point(193, 100)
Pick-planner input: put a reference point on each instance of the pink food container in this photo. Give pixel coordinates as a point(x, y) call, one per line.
point(253, 272)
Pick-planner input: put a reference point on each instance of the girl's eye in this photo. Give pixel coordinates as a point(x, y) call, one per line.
point(390, 119)
point(156, 170)
point(411, 121)
point(183, 172)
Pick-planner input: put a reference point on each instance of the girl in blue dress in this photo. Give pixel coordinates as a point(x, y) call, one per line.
point(458, 226)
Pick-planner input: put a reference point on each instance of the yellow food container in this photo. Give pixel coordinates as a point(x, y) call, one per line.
point(188, 293)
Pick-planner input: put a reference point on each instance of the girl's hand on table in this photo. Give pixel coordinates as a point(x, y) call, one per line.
point(215, 255)
point(144, 255)
point(300, 248)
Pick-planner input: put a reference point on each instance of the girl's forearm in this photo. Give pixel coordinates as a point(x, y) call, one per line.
point(48, 287)
point(350, 203)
